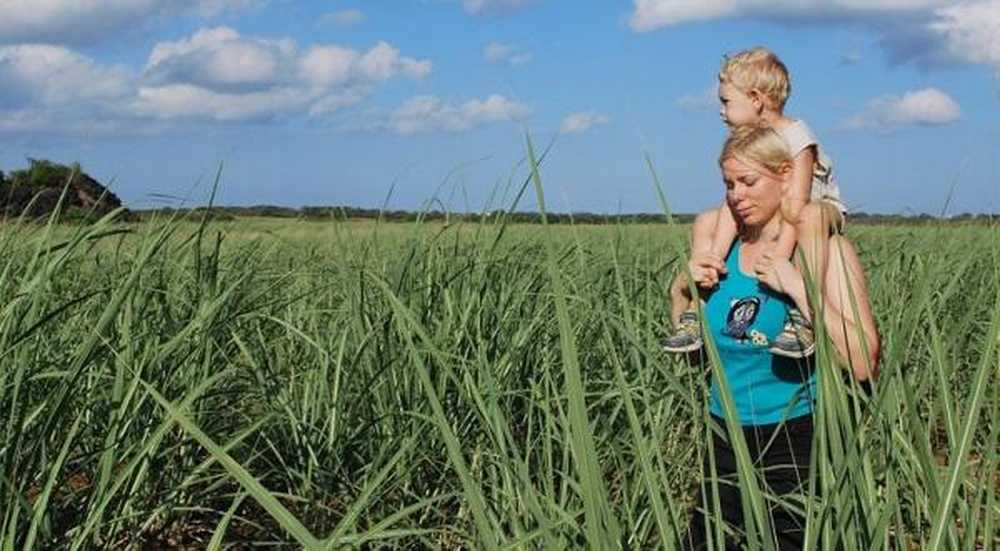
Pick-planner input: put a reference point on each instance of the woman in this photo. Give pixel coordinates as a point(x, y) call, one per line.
point(772, 397)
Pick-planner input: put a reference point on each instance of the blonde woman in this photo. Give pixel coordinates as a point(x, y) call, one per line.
point(773, 396)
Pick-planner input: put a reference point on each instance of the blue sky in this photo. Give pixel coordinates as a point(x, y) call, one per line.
point(335, 102)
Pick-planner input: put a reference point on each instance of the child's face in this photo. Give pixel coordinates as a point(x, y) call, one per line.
point(736, 107)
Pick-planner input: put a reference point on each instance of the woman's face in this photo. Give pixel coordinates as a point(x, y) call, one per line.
point(753, 193)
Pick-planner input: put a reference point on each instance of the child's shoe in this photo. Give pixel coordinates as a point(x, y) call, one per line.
point(796, 340)
point(686, 336)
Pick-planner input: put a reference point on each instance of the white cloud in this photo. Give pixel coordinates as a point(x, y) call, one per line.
point(971, 31)
point(383, 61)
point(335, 65)
point(343, 18)
point(929, 107)
point(430, 114)
point(582, 122)
point(213, 75)
point(53, 75)
point(479, 7)
point(219, 74)
point(221, 58)
point(52, 89)
point(77, 21)
point(498, 52)
point(929, 32)
point(176, 101)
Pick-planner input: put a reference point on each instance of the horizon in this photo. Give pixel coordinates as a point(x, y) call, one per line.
point(350, 102)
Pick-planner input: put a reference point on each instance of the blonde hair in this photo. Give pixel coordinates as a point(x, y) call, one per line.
point(758, 69)
point(760, 145)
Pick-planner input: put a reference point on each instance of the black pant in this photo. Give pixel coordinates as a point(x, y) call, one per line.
point(781, 453)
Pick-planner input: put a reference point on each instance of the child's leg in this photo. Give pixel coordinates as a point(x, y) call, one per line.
point(803, 225)
point(723, 234)
point(701, 241)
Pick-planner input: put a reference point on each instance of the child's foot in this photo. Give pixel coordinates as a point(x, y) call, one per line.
point(686, 336)
point(796, 339)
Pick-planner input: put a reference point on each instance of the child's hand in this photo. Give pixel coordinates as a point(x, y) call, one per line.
point(706, 268)
point(776, 272)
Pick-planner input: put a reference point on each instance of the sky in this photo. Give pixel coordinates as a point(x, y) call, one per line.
point(413, 104)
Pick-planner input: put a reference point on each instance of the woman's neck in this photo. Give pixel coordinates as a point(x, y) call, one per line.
point(766, 232)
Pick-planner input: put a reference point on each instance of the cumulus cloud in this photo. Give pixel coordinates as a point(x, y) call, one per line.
point(581, 122)
point(219, 74)
point(928, 32)
point(928, 107)
point(970, 31)
point(50, 87)
point(53, 75)
point(498, 52)
point(221, 58)
point(213, 75)
point(342, 18)
point(79, 21)
point(479, 7)
point(431, 114)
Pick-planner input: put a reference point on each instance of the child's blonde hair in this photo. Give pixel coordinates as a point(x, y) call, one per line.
point(758, 69)
point(760, 145)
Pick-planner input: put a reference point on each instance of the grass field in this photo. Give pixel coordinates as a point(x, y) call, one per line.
point(353, 384)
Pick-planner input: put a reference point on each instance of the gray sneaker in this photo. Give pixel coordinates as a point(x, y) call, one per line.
point(686, 336)
point(796, 339)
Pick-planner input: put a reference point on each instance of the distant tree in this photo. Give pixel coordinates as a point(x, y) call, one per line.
point(37, 190)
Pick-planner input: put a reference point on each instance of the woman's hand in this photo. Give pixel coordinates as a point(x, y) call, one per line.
point(706, 268)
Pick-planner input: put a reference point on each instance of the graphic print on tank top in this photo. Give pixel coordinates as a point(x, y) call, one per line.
point(742, 313)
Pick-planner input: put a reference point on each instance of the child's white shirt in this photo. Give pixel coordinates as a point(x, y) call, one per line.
point(798, 136)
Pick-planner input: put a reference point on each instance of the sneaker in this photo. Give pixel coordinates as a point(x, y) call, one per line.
point(686, 336)
point(796, 339)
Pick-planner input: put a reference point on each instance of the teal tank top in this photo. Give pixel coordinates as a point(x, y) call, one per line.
point(743, 316)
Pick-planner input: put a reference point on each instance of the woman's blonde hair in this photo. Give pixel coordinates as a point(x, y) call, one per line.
point(758, 69)
point(760, 145)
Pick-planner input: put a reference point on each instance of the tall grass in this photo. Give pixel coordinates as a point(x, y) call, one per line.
point(352, 384)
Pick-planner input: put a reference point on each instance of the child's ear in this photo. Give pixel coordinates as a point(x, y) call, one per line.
point(785, 171)
point(757, 97)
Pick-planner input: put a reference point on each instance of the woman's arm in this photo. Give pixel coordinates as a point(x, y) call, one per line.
point(847, 310)
point(852, 329)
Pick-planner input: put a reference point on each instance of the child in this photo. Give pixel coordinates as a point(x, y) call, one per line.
point(753, 88)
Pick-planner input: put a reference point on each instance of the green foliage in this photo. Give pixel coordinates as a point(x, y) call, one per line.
point(46, 186)
point(344, 213)
point(42, 173)
point(354, 385)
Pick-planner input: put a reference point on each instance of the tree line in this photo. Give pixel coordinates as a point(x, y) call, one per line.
point(37, 190)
